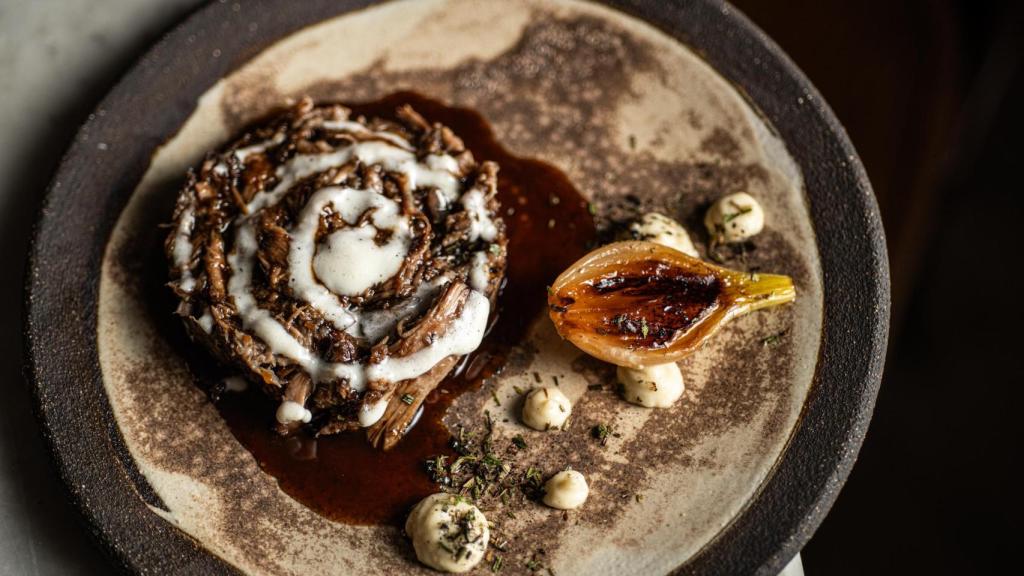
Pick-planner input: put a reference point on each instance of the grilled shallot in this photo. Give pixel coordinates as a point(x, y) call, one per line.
point(638, 304)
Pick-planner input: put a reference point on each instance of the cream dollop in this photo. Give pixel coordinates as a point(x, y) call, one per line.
point(734, 218)
point(660, 229)
point(448, 533)
point(657, 386)
point(371, 412)
point(546, 408)
point(566, 490)
point(289, 412)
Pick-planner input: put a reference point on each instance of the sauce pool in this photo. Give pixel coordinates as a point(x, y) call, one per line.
point(342, 476)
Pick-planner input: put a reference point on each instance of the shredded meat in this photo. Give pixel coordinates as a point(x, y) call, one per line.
point(213, 202)
point(390, 428)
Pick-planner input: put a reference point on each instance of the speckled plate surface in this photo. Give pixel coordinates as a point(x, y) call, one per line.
point(673, 104)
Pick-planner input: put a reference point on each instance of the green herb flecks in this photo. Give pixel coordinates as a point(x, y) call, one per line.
point(740, 211)
point(519, 442)
point(773, 339)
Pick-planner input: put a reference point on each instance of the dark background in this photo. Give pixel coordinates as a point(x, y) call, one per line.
point(929, 92)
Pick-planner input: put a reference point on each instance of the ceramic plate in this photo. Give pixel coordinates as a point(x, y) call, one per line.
point(644, 106)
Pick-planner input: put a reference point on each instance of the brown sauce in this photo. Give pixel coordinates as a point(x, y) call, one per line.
point(341, 476)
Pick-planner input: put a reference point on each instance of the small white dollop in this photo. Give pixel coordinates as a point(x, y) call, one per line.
point(370, 413)
point(734, 218)
point(657, 386)
point(289, 412)
point(566, 490)
point(546, 408)
point(448, 533)
point(660, 229)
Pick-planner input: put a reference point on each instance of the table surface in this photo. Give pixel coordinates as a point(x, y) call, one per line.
point(57, 59)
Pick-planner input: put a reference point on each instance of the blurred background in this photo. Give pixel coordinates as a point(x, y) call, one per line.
point(930, 92)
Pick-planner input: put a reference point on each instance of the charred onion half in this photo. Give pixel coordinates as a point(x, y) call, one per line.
point(638, 304)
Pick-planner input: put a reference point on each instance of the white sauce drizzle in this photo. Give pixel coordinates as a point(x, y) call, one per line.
point(390, 155)
point(442, 162)
point(375, 324)
point(350, 126)
point(258, 148)
point(348, 265)
point(479, 272)
point(370, 414)
point(344, 126)
point(266, 327)
point(480, 224)
point(182, 250)
point(349, 262)
point(462, 337)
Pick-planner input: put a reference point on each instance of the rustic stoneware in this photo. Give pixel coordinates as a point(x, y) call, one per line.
point(645, 106)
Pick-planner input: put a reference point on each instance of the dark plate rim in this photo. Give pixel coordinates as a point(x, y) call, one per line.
point(62, 280)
